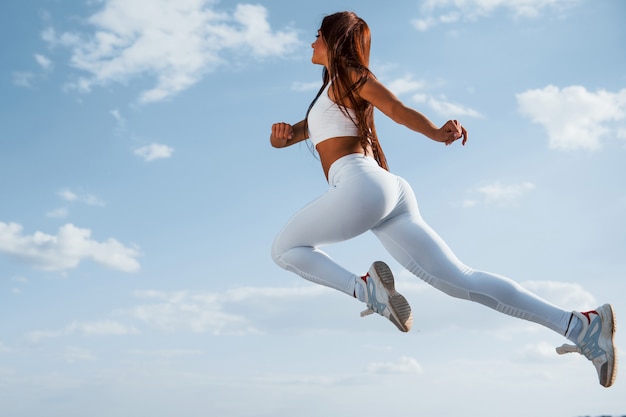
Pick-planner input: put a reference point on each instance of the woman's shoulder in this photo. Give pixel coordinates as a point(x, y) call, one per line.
point(359, 74)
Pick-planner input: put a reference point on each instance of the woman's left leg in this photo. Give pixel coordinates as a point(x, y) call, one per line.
point(416, 246)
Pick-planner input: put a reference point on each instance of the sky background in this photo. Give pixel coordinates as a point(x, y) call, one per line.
point(139, 197)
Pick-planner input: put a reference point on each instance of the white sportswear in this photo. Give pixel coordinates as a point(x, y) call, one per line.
point(327, 120)
point(362, 196)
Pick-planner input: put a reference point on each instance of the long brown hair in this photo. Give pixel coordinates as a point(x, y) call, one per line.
point(348, 40)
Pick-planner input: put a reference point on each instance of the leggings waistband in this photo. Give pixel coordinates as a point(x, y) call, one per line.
point(353, 159)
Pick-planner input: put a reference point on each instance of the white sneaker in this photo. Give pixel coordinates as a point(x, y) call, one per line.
point(381, 297)
point(596, 342)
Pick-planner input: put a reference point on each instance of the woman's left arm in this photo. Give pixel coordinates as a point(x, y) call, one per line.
point(384, 100)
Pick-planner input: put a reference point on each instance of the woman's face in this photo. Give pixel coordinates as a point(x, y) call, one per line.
point(320, 51)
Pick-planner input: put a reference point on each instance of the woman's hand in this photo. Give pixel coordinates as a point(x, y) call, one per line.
point(284, 134)
point(281, 134)
point(450, 132)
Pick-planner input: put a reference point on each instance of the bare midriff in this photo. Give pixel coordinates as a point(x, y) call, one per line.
point(334, 148)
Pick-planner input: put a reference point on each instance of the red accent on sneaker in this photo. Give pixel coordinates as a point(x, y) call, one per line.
point(364, 277)
point(588, 314)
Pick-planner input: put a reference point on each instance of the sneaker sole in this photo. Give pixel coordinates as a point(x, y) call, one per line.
point(401, 315)
point(608, 374)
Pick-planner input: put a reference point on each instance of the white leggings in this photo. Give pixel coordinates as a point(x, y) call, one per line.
point(361, 197)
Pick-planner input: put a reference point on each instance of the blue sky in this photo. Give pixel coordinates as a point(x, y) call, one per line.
point(139, 197)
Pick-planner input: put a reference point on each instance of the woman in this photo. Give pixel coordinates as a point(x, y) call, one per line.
point(364, 196)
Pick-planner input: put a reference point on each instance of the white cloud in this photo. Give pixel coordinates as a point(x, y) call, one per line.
point(303, 87)
point(240, 311)
point(175, 41)
point(405, 85)
point(500, 194)
point(429, 22)
point(565, 294)
point(435, 12)
point(424, 24)
point(118, 117)
point(440, 105)
point(26, 78)
point(201, 312)
point(182, 311)
point(573, 117)
point(248, 293)
point(97, 328)
point(450, 110)
point(100, 328)
point(72, 197)
point(249, 311)
point(404, 365)
point(65, 250)
point(536, 352)
point(253, 31)
point(154, 151)
point(88, 199)
point(59, 213)
point(44, 62)
point(68, 195)
point(166, 353)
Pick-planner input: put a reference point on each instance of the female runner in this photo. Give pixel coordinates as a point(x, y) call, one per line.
point(363, 195)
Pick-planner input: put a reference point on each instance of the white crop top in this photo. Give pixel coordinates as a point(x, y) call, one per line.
point(326, 120)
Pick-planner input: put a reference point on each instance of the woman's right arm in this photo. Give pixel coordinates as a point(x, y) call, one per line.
point(284, 134)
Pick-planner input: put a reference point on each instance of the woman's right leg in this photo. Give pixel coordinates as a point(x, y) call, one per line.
point(357, 199)
point(346, 210)
point(296, 247)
